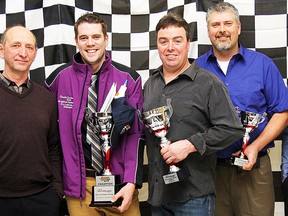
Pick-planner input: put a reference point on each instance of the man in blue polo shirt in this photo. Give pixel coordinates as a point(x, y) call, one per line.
point(255, 85)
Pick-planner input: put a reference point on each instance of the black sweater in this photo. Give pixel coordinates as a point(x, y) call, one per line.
point(30, 152)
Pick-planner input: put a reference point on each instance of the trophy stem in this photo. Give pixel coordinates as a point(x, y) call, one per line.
point(107, 171)
point(164, 141)
point(246, 138)
point(173, 168)
point(107, 155)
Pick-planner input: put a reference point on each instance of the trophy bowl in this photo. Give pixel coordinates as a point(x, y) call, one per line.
point(104, 123)
point(251, 119)
point(157, 121)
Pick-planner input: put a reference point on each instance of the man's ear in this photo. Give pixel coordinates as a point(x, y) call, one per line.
point(106, 40)
point(1, 51)
point(36, 49)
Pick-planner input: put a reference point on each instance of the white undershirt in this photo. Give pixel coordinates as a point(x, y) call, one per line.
point(223, 65)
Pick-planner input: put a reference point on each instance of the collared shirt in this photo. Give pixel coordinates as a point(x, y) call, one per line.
point(202, 114)
point(13, 86)
point(254, 84)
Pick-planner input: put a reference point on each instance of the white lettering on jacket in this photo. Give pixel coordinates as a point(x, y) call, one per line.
point(65, 102)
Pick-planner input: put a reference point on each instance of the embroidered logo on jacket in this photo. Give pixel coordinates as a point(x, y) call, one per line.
point(65, 102)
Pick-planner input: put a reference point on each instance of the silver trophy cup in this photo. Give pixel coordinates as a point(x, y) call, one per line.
point(250, 121)
point(157, 120)
point(107, 184)
point(104, 123)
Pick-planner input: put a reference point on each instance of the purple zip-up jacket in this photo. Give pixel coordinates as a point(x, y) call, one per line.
point(70, 84)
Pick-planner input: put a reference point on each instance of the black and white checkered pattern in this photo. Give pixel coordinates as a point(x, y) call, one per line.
point(131, 29)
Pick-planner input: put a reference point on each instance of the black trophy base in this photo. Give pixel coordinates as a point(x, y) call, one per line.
point(178, 176)
point(105, 189)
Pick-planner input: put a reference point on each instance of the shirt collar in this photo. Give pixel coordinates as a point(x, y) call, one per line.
point(240, 53)
point(190, 71)
point(8, 82)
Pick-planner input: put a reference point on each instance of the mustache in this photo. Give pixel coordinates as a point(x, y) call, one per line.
point(223, 34)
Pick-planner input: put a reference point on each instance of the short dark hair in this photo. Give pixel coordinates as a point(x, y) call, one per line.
point(173, 19)
point(90, 18)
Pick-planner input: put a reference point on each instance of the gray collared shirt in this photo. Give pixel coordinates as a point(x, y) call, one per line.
point(13, 86)
point(202, 114)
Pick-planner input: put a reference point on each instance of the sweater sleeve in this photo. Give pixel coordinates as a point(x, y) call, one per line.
point(55, 155)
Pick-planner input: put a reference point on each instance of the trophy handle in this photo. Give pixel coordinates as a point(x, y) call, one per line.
point(170, 109)
point(90, 120)
point(262, 119)
point(140, 116)
point(238, 111)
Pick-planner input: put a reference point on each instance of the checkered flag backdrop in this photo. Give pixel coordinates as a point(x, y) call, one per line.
point(132, 38)
point(131, 29)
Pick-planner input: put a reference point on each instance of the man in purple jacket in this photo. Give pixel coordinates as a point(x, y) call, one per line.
point(70, 84)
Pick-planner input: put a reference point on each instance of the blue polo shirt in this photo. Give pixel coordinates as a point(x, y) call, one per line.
point(254, 84)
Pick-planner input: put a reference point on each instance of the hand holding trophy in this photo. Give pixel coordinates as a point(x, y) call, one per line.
point(250, 121)
point(157, 120)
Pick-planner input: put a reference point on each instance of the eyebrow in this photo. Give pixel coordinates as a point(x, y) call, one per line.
point(177, 37)
point(19, 42)
point(85, 35)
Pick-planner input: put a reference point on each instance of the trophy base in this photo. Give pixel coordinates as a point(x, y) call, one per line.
point(237, 161)
point(242, 161)
point(177, 176)
point(105, 189)
point(106, 204)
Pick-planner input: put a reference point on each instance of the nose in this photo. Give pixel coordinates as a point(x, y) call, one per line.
point(23, 51)
point(90, 41)
point(170, 45)
point(222, 27)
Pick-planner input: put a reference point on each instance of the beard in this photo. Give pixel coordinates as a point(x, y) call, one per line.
point(222, 47)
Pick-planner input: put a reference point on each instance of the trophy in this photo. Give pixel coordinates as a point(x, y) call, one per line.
point(106, 184)
point(250, 121)
point(158, 122)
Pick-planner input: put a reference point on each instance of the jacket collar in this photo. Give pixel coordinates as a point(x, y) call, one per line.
point(82, 68)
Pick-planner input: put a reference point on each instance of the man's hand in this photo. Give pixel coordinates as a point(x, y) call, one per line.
point(126, 193)
point(177, 151)
point(251, 153)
